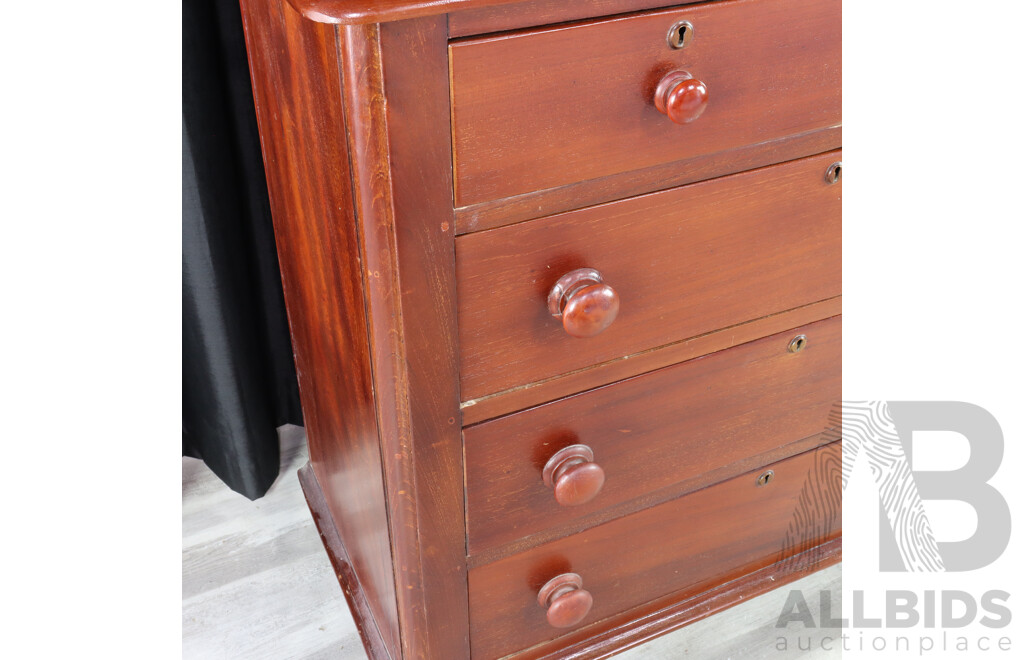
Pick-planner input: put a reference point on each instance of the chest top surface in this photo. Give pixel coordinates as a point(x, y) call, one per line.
point(352, 12)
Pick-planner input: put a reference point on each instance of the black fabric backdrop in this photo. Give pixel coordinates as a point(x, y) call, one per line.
point(238, 378)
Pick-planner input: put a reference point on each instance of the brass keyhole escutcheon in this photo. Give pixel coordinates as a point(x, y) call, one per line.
point(797, 344)
point(766, 478)
point(834, 172)
point(680, 35)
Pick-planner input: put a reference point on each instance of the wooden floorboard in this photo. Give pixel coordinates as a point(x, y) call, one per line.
point(257, 584)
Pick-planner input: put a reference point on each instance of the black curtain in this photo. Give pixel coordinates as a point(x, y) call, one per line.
point(238, 378)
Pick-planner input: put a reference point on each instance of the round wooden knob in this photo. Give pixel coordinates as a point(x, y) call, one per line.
point(574, 476)
point(681, 96)
point(584, 303)
point(565, 599)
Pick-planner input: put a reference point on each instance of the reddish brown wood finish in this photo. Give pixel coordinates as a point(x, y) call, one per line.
point(651, 433)
point(681, 97)
point(662, 615)
point(590, 311)
point(683, 547)
point(374, 347)
point(684, 262)
point(356, 130)
point(362, 12)
point(506, 13)
point(565, 600)
point(531, 13)
point(342, 564)
point(546, 108)
point(311, 199)
point(651, 499)
point(405, 213)
point(479, 410)
point(490, 215)
point(583, 302)
point(573, 475)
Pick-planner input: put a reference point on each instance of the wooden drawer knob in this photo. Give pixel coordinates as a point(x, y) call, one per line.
point(565, 599)
point(584, 303)
point(574, 476)
point(681, 96)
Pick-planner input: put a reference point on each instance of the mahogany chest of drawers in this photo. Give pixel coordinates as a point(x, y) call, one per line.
point(563, 280)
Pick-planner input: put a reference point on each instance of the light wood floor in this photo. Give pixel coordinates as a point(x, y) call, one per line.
point(256, 584)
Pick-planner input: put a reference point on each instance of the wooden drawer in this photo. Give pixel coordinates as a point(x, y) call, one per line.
point(683, 262)
point(675, 429)
point(544, 108)
point(710, 536)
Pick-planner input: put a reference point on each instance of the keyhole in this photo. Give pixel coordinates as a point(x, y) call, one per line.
point(834, 172)
point(680, 35)
point(766, 478)
point(798, 343)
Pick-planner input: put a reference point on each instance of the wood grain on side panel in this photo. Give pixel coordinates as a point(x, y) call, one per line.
point(296, 85)
point(342, 565)
point(401, 160)
point(415, 61)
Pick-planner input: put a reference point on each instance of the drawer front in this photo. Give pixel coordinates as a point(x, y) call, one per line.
point(675, 429)
point(545, 108)
point(682, 262)
point(681, 547)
